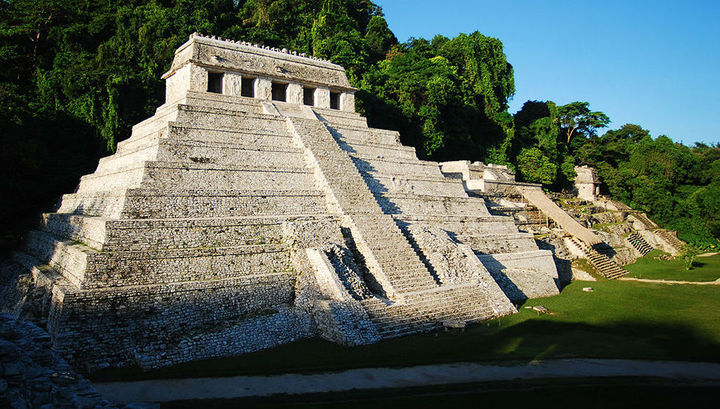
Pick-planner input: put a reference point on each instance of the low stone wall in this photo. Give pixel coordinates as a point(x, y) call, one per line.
point(344, 322)
point(251, 334)
point(108, 328)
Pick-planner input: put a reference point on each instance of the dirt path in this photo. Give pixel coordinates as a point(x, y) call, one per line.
point(374, 378)
point(645, 280)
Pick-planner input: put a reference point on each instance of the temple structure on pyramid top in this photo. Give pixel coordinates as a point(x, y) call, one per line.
point(255, 208)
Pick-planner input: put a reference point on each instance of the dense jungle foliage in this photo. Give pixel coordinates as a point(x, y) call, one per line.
point(77, 74)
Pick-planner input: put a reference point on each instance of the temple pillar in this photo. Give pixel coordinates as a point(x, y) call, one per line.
point(263, 88)
point(295, 93)
point(322, 97)
point(347, 102)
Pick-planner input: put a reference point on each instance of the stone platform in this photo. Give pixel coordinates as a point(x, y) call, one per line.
point(256, 208)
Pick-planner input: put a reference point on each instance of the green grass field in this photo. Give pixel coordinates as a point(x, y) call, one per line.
point(620, 319)
point(704, 269)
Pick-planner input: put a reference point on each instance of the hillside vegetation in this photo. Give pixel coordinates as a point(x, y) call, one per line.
point(78, 74)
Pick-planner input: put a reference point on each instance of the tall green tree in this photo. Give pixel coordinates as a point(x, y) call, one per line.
point(450, 96)
point(577, 118)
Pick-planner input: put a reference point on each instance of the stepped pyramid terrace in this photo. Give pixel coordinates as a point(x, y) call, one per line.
point(255, 208)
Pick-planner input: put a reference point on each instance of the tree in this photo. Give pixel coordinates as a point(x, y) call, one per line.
point(613, 147)
point(688, 255)
point(378, 39)
point(576, 118)
point(451, 95)
point(533, 166)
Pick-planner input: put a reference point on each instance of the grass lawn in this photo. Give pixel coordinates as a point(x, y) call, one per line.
point(704, 269)
point(620, 319)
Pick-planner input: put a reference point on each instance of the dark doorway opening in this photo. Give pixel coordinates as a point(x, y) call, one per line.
point(247, 87)
point(334, 100)
point(279, 92)
point(215, 82)
point(309, 96)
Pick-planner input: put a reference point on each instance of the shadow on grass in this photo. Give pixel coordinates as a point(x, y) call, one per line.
point(525, 341)
point(560, 393)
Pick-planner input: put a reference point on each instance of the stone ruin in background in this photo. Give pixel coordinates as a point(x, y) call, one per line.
point(257, 208)
point(583, 224)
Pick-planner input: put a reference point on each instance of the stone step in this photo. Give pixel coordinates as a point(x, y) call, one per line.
point(146, 234)
point(201, 152)
point(395, 204)
point(393, 160)
point(139, 143)
point(89, 230)
point(426, 186)
point(86, 268)
point(121, 161)
point(205, 117)
point(458, 221)
point(382, 166)
point(125, 178)
point(68, 258)
point(189, 174)
point(470, 235)
point(415, 274)
point(246, 138)
point(501, 244)
point(408, 330)
point(479, 227)
point(146, 203)
point(163, 114)
point(374, 136)
point(255, 132)
point(639, 243)
point(369, 149)
point(380, 238)
point(434, 309)
point(108, 204)
point(426, 310)
point(340, 121)
point(152, 266)
point(671, 238)
point(608, 268)
point(161, 204)
point(334, 116)
point(162, 175)
point(221, 101)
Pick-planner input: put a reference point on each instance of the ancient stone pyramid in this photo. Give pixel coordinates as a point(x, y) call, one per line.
point(257, 208)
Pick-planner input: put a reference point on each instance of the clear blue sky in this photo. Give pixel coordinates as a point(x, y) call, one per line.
point(653, 63)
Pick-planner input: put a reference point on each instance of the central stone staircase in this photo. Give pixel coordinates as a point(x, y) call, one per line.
point(386, 251)
point(412, 300)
